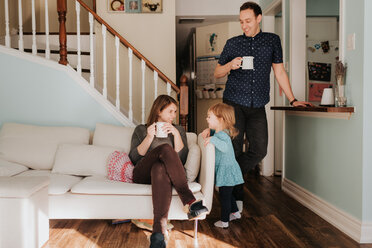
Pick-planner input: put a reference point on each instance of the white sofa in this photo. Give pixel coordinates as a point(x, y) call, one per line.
point(79, 188)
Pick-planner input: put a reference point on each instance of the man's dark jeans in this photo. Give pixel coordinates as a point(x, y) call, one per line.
point(253, 123)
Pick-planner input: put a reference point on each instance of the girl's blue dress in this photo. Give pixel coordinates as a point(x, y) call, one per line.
point(227, 172)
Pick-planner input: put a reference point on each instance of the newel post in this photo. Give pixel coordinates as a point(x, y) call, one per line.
point(62, 10)
point(184, 101)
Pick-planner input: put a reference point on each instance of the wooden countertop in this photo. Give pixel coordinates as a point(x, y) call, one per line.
point(315, 109)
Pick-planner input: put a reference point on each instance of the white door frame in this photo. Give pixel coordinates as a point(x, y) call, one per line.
point(268, 25)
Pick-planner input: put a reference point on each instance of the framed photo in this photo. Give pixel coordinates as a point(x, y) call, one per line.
point(152, 6)
point(116, 5)
point(133, 6)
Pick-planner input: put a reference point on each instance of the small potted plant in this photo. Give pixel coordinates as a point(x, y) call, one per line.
point(340, 84)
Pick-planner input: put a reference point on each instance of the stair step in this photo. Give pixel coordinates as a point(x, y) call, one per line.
point(29, 50)
point(54, 42)
point(56, 33)
point(83, 70)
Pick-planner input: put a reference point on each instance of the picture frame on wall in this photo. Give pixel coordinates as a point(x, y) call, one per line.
point(133, 6)
point(152, 6)
point(116, 6)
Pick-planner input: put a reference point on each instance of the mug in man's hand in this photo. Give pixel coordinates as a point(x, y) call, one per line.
point(247, 63)
point(160, 133)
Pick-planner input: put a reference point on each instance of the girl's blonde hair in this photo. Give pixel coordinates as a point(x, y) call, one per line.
point(226, 113)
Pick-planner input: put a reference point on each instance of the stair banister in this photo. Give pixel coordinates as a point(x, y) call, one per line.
point(184, 101)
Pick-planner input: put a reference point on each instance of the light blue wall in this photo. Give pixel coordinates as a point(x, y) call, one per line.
point(35, 94)
point(367, 129)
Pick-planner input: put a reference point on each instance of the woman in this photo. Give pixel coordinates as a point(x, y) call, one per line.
point(159, 162)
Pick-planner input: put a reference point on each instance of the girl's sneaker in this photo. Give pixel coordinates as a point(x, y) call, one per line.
point(221, 224)
point(235, 216)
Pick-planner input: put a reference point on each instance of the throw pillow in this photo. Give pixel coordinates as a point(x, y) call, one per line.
point(192, 165)
point(120, 168)
point(36, 146)
point(8, 169)
point(110, 135)
point(82, 160)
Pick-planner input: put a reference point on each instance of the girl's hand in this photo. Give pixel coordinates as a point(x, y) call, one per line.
point(151, 130)
point(207, 141)
point(169, 128)
point(206, 133)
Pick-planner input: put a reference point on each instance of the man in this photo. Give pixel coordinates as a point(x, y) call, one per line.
point(248, 86)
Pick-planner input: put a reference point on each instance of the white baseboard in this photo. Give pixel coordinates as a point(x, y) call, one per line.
point(351, 226)
point(366, 236)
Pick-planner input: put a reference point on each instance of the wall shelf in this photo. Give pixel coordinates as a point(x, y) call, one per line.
point(318, 111)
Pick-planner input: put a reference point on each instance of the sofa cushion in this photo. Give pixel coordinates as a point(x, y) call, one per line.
point(21, 187)
point(36, 146)
point(8, 169)
point(59, 183)
point(192, 164)
point(110, 135)
point(191, 138)
point(103, 186)
point(82, 160)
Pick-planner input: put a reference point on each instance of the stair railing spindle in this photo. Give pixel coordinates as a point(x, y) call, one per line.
point(47, 47)
point(33, 17)
point(77, 8)
point(169, 88)
point(155, 84)
point(117, 45)
point(91, 22)
point(20, 24)
point(104, 62)
point(7, 33)
point(130, 57)
point(143, 68)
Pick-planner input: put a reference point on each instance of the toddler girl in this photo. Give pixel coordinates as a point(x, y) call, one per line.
point(221, 120)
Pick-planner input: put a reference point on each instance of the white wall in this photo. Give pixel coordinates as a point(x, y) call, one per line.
point(154, 35)
point(208, 7)
point(224, 31)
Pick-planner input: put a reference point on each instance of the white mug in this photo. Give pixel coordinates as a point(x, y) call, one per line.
point(247, 63)
point(160, 133)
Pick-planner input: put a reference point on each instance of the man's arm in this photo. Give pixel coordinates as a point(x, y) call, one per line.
point(283, 81)
point(223, 70)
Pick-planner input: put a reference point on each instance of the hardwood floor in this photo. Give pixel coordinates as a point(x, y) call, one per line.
point(270, 219)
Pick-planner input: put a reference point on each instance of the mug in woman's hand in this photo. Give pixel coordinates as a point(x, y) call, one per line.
point(160, 133)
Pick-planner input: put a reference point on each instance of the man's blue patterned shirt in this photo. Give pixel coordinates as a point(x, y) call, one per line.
point(251, 88)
